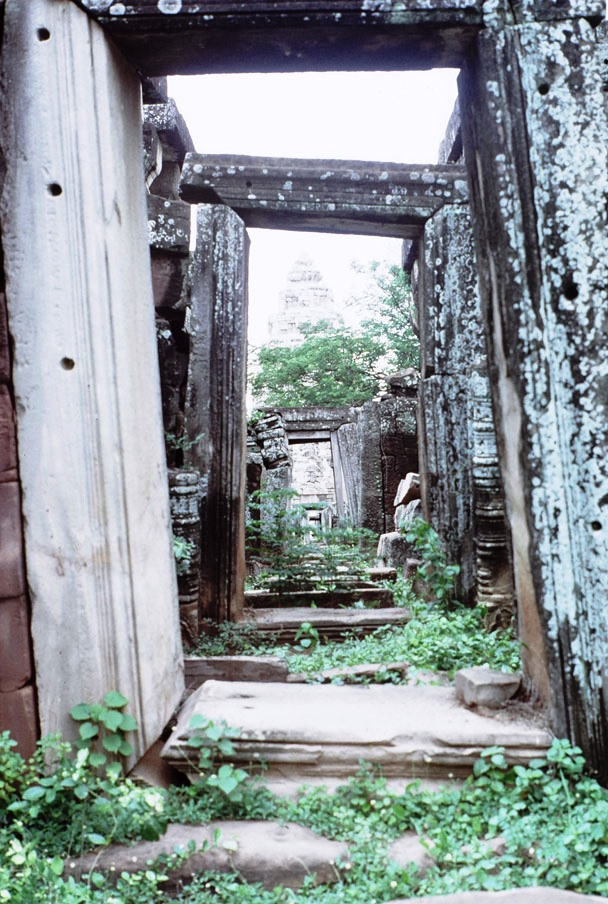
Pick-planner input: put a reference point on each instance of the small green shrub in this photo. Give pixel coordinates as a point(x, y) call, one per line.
point(183, 550)
point(436, 573)
point(288, 553)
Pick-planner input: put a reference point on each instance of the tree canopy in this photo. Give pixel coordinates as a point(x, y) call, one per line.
point(343, 366)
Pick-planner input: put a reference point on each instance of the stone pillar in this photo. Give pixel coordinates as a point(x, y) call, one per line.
point(461, 491)
point(216, 421)
point(184, 492)
point(100, 565)
point(535, 127)
point(17, 691)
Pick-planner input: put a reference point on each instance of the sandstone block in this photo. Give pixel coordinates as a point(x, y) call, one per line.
point(8, 448)
point(5, 357)
point(393, 550)
point(409, 850)
point(15, 646)
point(233, 668)
point(479, 686)
point(536, 895)
point(12, 576)
point(268, 852)
point(18, 714)
point(408, 490)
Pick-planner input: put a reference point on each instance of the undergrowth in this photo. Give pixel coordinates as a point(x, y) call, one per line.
point(550, 819)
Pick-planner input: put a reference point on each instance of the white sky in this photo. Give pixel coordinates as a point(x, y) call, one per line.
point(395, 117)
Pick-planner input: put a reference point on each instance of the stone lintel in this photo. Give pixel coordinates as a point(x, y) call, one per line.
point(349, 196)
point(187, 37)
point(161, 37)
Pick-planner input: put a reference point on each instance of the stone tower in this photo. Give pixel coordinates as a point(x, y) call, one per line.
point(306, 299)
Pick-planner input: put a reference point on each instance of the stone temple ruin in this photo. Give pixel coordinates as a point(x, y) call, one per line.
point(506, 243)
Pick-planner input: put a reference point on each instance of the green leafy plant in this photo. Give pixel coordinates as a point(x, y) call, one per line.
point(288, 553)
point(435, 571)
point(103, 729)
point(307, 637)
point(183, 551)
point(181, 443)
point(213, 740)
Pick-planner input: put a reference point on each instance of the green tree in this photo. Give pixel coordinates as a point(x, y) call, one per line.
point(393, 315)
point(344, 366)
point(330, 367)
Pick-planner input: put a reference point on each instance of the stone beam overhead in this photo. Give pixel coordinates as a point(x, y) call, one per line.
point(324, 195)
point(163, 37)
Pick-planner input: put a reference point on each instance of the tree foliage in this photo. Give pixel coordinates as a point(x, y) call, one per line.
point(330, 367)
point(343, 366)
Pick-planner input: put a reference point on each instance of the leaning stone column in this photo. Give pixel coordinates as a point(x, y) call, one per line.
point(534, 111)
point(216, 419)
point(100, 566)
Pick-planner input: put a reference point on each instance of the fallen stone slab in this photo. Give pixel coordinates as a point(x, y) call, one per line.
point(198, 669)
point(353, 674)
point(302, 730)
point(330, 599)
point(284, 624)
point(481, 686)
point(272, 853)
point(513, 896)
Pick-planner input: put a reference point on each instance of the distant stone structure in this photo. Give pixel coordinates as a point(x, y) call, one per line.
point(306, 299)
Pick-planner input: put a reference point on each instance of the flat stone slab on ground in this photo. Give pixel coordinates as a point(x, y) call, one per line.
point(272, 853)
point(198, 669)
point(513, 896)
point(481, 686)
point(301, 730)
point(324, 599)
point(285, 623)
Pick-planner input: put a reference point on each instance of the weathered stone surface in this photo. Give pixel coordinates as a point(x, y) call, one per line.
point(410, 851)
point(233, 668)
point(322, 599)
point(285, 623)
point(537, 895)
point(358, 674)
point(299, 729)
point(271, 853)
point(8, 446)
point(15, 644)
point(168, 225)
point(534, 128)
point(394, 550)
point(315, 35)
point(408, 490)
point(18, 714)
point(12, 574)
point(91, 452)
point(184, 502)
point(215, 404)
point(5, 351)
point(171, 128)
point(405, 514)
point(341, 195)
point(168, 279)
point(480, 686)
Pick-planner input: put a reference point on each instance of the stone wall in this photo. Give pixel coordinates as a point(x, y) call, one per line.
point(18, 711)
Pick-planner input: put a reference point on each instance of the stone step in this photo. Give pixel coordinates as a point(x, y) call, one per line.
point(370, 595)
point(306, 732)
point(330, 623)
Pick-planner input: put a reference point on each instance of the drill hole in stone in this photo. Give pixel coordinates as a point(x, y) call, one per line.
point(68, 363)
point(570, 290)
point(543, 88)
point(43, 34)
point(55, 189)
point(596, 525)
